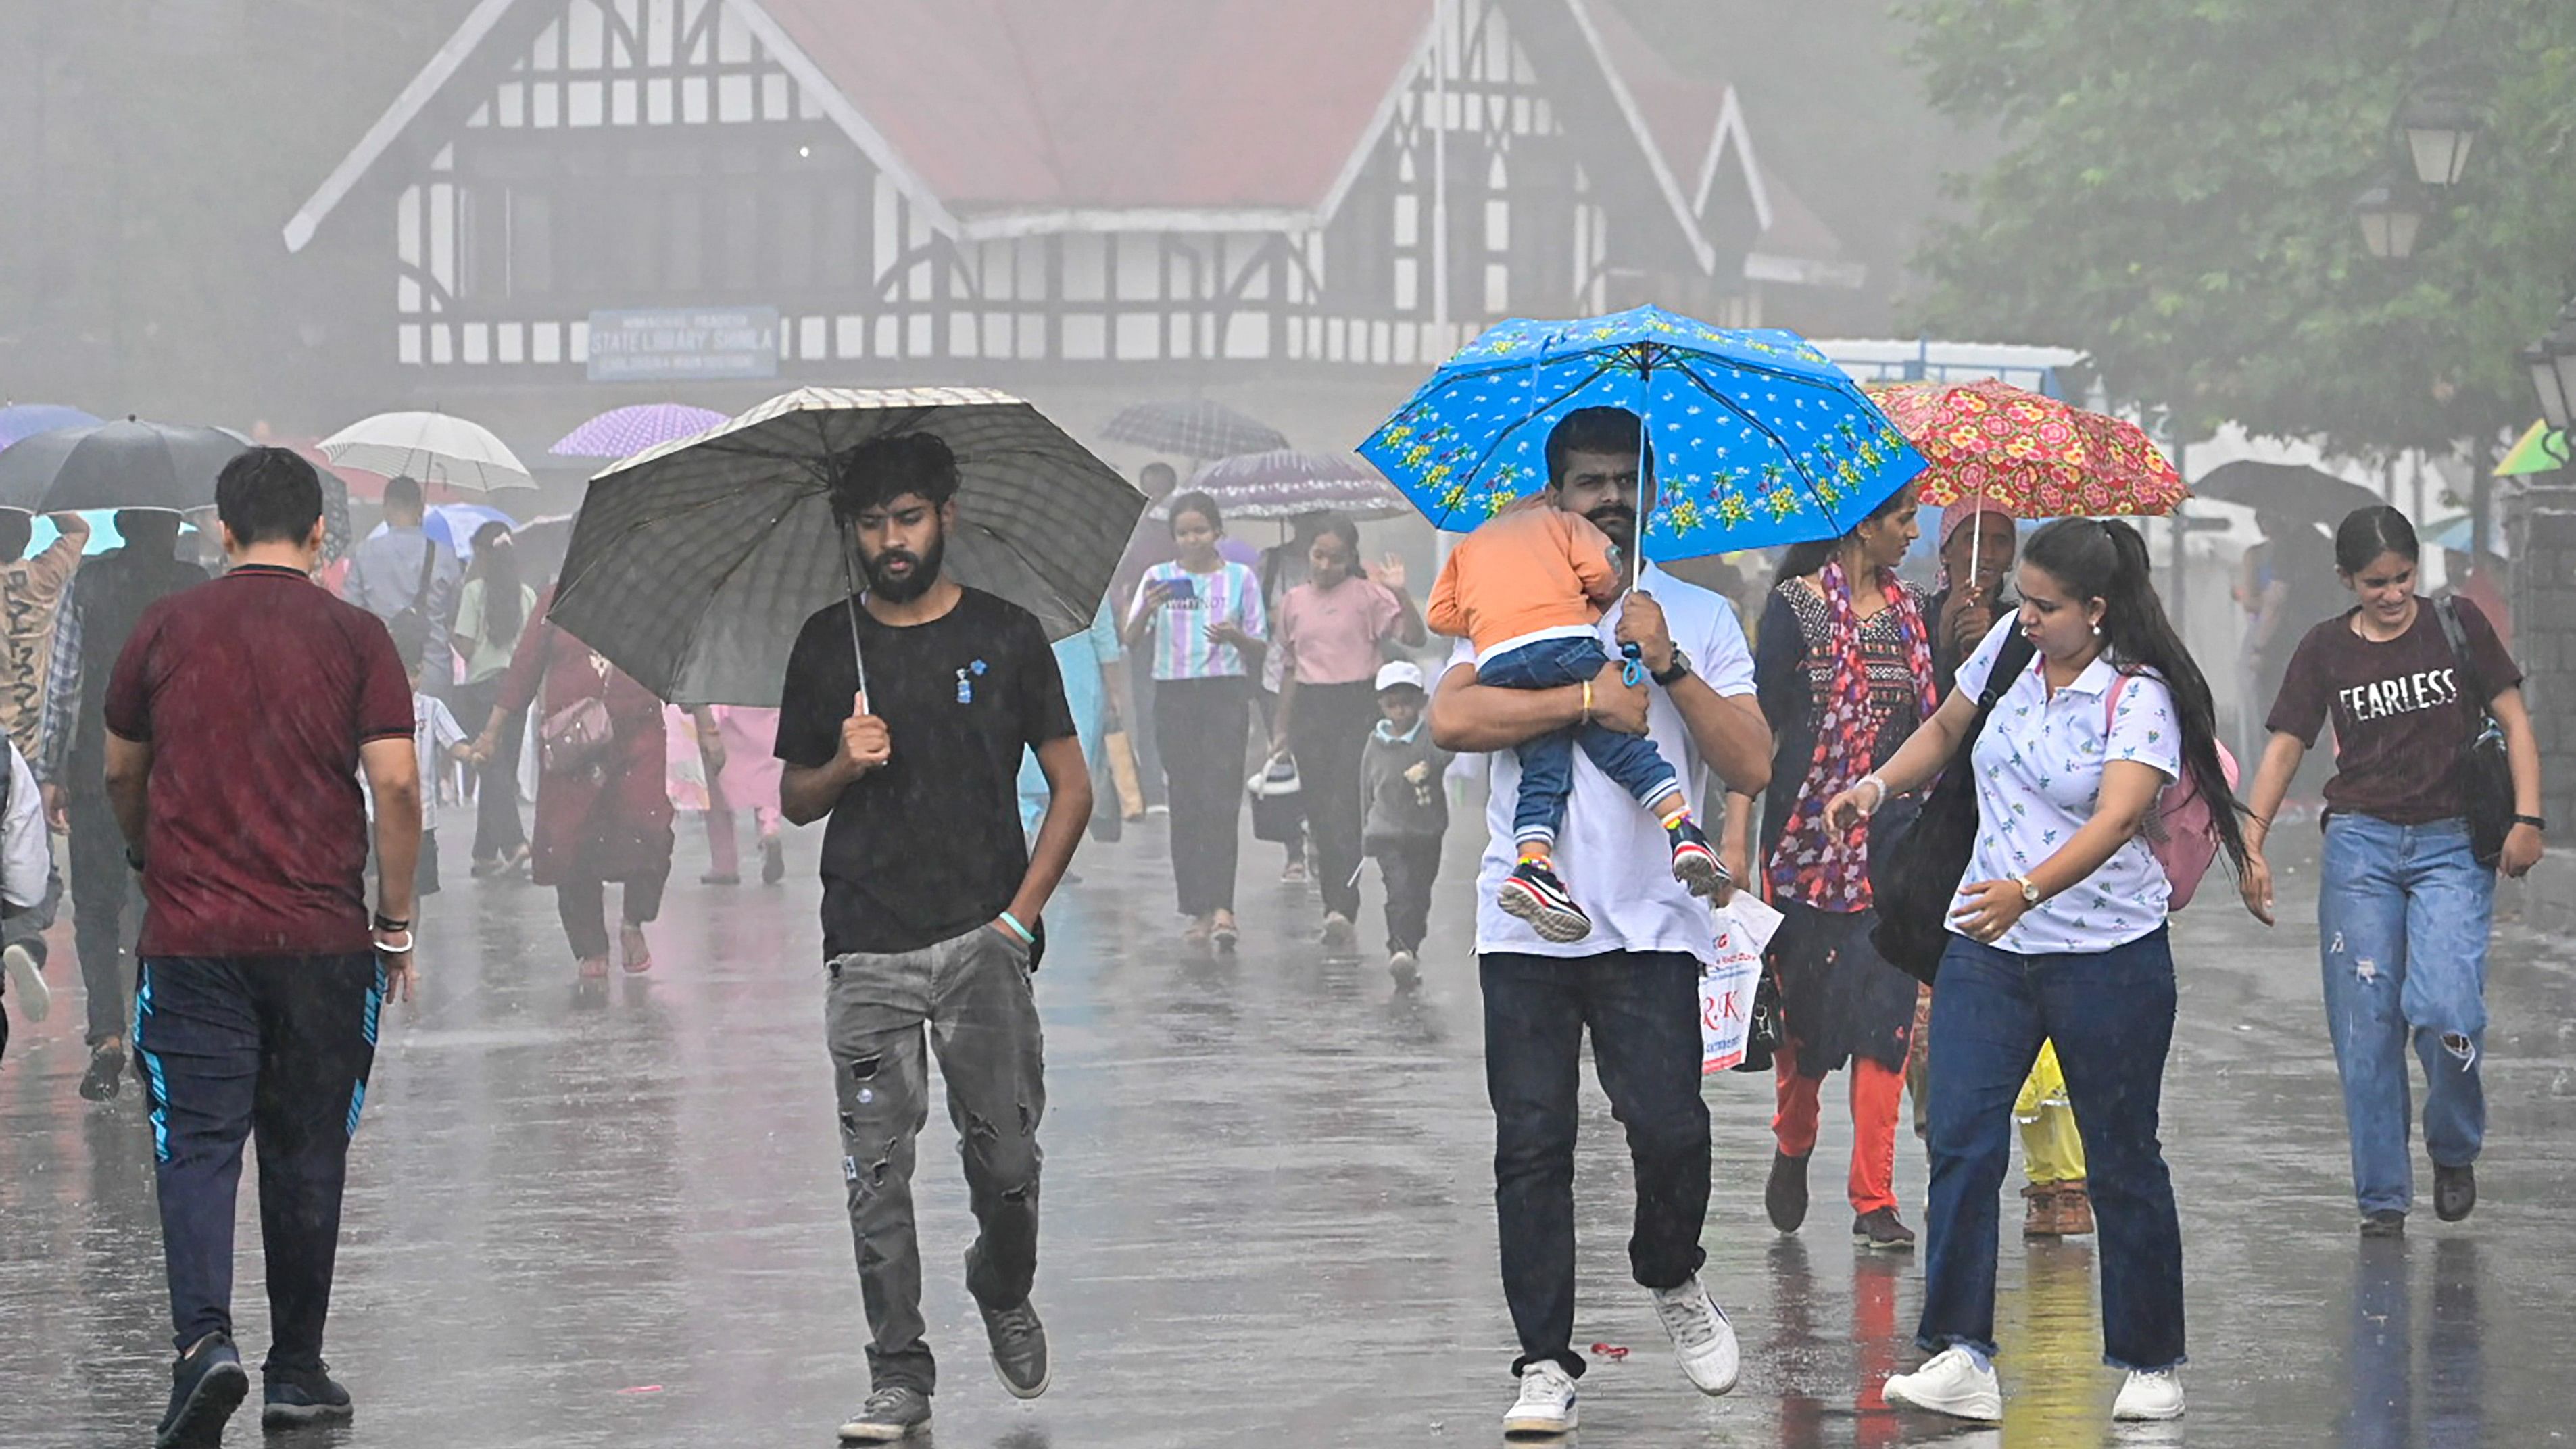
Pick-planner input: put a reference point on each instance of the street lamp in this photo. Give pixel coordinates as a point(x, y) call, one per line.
point(2440, 124)
point(2552, 361)
point(2390, 217)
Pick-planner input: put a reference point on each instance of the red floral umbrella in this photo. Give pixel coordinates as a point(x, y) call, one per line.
point(2030, 453)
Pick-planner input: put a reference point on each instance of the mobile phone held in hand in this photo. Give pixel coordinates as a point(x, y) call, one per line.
point(1181, 590)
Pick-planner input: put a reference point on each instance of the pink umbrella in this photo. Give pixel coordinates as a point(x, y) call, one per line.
point(627, 431)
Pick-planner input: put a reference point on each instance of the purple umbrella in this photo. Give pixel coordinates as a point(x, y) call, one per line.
point(1283, 484)
point(27, 419)
point(627, 431)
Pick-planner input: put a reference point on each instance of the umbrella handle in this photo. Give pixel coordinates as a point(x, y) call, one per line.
point(850, 575)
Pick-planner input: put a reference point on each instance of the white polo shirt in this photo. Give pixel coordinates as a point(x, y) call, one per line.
point(2039, 775)
point(1612, 855)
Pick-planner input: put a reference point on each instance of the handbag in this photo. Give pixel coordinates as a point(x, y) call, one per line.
point(576, 737)
point(1763, 1033)
point(1915, 865)
point(1278, 803)
point(2485, 771)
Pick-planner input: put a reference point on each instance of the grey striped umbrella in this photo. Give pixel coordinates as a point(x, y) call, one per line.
point(1194, 429)
point(694, 564)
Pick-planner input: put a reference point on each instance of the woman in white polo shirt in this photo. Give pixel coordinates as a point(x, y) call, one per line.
point(2059, 933)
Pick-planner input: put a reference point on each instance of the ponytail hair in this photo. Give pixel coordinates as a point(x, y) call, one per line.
point(2366, 533)
point(1803, 559)
point(2107, 560)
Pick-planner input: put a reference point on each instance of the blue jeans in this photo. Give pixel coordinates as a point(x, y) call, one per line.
point(2402, 923)
point(1547, 763)
point(2111, 1014)
point(1642, 1008)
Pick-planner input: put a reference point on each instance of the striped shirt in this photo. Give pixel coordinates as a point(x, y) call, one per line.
point(1182, 648)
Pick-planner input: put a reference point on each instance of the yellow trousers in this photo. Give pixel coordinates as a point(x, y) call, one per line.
point(2052, 1148)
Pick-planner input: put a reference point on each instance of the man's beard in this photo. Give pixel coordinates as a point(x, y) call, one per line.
point(906, 587)
point(1619, 520)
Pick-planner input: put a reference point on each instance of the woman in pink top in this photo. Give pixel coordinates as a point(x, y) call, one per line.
point(1332, 631)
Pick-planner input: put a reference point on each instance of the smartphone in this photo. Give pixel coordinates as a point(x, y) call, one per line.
point(1181, 590)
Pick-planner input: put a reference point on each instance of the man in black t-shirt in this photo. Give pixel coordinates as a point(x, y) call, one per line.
point(931, 902)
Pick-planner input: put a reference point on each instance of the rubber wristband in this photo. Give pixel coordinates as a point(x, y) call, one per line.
point(1012, 921)
point(402, 950)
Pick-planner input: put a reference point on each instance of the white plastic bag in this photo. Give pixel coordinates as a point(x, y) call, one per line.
point(1726, 982)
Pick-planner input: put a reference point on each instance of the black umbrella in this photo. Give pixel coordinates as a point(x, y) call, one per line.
point(2293, 490)
point(693, 565)
point(1196, 429)
point(125, 464)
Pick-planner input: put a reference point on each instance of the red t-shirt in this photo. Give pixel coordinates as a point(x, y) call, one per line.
point(2398, 711)
point(255, 692)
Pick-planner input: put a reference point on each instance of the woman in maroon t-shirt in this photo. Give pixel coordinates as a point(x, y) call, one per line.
point(2404, 906)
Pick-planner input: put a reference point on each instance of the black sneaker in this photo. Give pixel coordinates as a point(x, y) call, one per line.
point(2384, 1223)
point(889, 1415)
point(1533, 893)
point(1695, 862)
point(106, 1071)
point(1019, 1344)
point(2455, 1191)
point(1019, 1349)
point(1784, 1197)
point(297, 1398)
point(206, 1385)
point(1880, 1231)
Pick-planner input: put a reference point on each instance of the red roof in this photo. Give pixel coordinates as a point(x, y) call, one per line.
point(1008, 105)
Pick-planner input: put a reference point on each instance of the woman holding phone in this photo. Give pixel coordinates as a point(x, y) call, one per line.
point(1199, 624)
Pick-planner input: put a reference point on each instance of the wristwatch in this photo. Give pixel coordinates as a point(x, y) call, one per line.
point(2029, 890)
point(1679, 670)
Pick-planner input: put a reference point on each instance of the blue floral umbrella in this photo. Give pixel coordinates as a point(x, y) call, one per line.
point(1758, 440)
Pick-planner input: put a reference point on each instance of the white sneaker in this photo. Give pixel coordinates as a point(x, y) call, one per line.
point(1951, 1384)
point(1702, 1338)
point(2148, 1396)
point(34, 997)
point(1546, 1405)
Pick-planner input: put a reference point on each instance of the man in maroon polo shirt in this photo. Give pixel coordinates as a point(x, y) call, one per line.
point(239, 716)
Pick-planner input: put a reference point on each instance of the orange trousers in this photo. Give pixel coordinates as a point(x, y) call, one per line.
point(1877, 1096)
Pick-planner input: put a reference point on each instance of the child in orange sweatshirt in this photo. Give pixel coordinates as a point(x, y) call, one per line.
point(1527, 590)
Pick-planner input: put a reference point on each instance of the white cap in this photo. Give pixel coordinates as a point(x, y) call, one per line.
point(1402, 671)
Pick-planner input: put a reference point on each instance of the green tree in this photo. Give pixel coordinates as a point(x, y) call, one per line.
point(2175, 197)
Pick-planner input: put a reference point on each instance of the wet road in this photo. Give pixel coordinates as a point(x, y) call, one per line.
point(1268, 1212)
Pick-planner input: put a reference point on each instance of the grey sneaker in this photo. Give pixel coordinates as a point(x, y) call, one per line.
point(889, 1414)
point(1019, 1349)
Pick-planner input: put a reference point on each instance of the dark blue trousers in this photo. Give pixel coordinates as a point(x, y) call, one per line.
point(272, 1046)
point(2111, 1014)
point(1642, 1008)
point(1547, 763)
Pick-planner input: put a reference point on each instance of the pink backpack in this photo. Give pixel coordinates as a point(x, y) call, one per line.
point(2182, 827)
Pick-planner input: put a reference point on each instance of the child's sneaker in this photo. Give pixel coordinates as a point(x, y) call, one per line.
point(1533, 893)
point(1695, 862)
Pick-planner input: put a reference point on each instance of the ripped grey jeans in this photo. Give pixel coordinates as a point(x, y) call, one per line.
point(974, 994)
